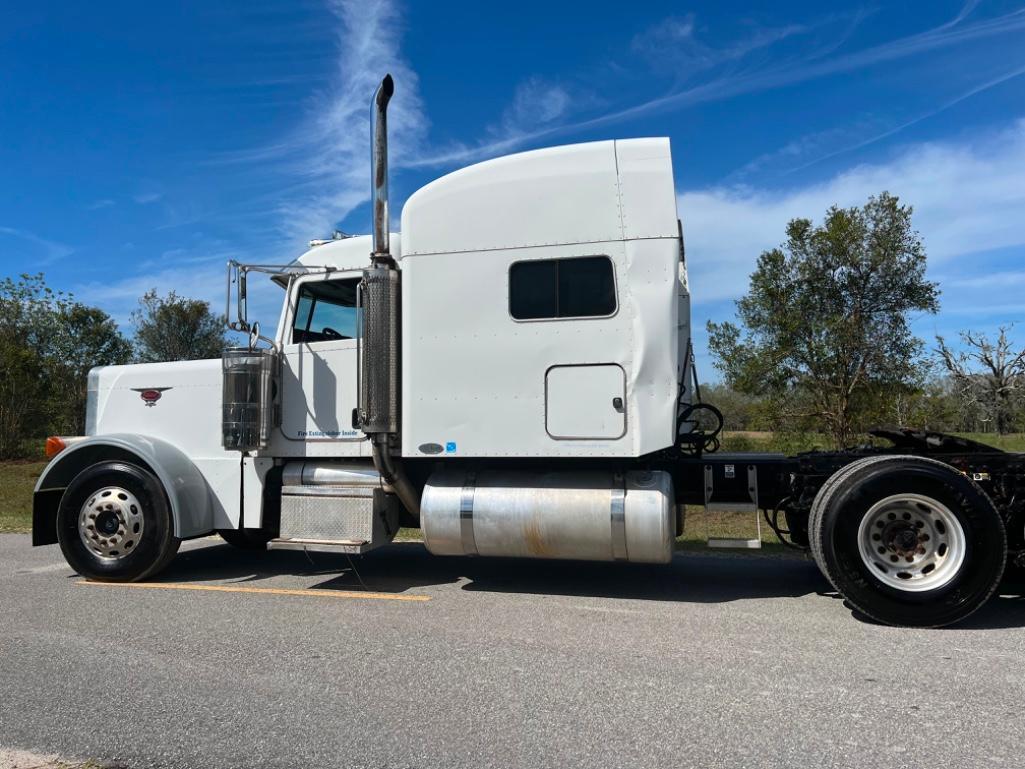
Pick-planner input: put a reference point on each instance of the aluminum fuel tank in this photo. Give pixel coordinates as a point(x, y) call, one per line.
point(595, 516)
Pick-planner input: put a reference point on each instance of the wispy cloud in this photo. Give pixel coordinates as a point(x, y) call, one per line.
point(815, 148)
point(328, 158)
point(951, 33)
point(536, 102)
point(33, 251)
point(145, 198)
point(990, 280)
point(542, 107)
point(319, 172)
point(98, 204)
point(725, 83)
point(674, 46)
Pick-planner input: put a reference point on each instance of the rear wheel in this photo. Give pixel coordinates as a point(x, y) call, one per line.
point(114, 523)
point(908, 540)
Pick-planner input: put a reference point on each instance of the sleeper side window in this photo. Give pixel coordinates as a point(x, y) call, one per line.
point(326, 310)
point(580, 287)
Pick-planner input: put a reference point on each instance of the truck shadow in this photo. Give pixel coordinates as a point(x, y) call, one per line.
point(690, 578)
point(406, 566)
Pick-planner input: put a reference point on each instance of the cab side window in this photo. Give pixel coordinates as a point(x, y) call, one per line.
point(326, 310)
point(577, 287)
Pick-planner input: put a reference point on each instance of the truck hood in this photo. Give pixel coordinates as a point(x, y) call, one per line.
point(157, 399)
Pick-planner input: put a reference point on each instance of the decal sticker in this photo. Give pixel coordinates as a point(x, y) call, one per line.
point(450, 447)
point(150, 395)
point(327, 433)
point(430, 448)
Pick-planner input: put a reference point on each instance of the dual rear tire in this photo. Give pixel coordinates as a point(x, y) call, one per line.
point(908, 540)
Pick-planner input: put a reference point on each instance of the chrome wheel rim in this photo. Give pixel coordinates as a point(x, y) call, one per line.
point(911, 542)
point(110, 523)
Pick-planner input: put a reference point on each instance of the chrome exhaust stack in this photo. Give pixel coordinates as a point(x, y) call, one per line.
point(379, 387)
point(379, 170)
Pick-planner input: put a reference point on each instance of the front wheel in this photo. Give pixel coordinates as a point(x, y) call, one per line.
point(908, 540)
point(114, 523)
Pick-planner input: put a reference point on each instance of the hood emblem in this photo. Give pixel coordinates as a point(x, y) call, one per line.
point(150, 394)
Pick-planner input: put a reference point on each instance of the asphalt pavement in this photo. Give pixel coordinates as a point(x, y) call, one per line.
point(401, 659)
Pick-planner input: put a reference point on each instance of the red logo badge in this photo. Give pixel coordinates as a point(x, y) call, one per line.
point(150, 395)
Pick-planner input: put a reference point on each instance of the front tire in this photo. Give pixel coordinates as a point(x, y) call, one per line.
point(908, 540)
point(114, 523)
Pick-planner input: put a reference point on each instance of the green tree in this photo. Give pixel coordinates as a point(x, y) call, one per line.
point(22, 397)
point(48, 342)
point(29, 309)
point(824, 327)
point(176, 328)
point(86, 337)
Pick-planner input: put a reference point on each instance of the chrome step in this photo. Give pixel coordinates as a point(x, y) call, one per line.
point(734, 543)
point(348, 546)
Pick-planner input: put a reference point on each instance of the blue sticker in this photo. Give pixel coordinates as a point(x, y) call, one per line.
point(450, 447)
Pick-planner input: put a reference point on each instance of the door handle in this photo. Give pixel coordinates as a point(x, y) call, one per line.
point(617, 403)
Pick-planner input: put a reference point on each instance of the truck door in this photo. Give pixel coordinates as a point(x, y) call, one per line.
point(319, 361)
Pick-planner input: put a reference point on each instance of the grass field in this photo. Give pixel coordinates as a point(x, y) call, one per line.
point(17, 480)
point(1011, 442)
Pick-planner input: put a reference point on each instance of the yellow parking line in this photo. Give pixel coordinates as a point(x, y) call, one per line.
point(262, 590)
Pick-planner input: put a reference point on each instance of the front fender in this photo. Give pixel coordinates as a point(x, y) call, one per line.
point(186, 488)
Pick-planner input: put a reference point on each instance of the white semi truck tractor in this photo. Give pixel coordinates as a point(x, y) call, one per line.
point(513, 375)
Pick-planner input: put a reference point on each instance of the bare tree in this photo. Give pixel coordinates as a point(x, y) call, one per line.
point(989, 375)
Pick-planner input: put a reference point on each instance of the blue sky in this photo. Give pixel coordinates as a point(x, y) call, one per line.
point(143, 144)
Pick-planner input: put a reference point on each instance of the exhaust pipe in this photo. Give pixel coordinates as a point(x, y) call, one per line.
point(379, 394)
point(379, 169)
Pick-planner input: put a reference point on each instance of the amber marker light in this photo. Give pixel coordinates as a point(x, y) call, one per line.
point(54, 446)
